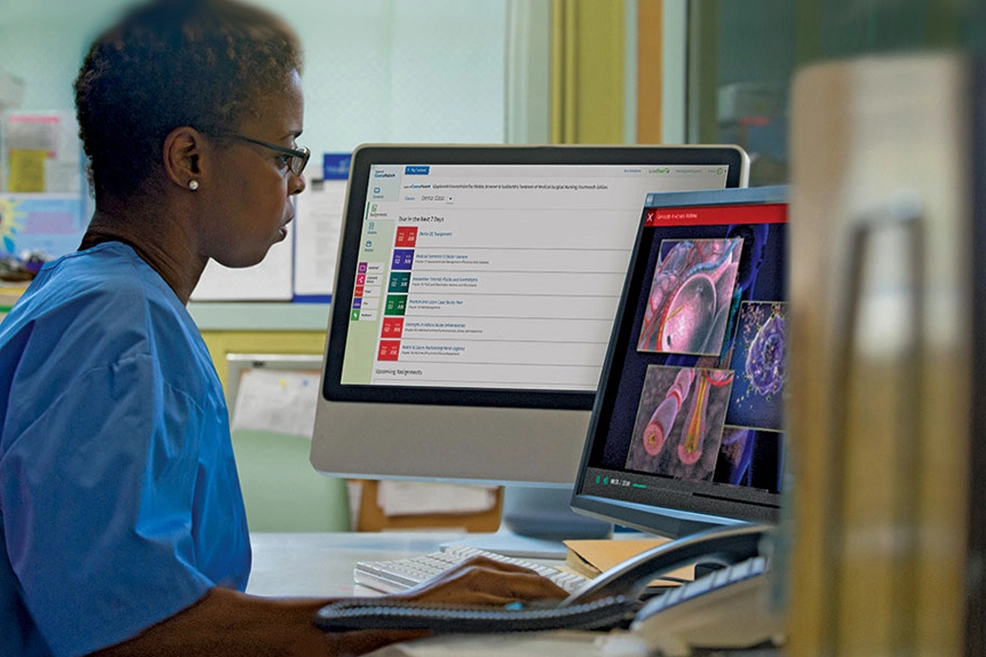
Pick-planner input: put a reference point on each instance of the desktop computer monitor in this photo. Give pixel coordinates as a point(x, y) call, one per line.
point(686, 432)
point(474, 300)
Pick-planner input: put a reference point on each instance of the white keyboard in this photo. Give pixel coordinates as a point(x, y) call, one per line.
point(394, 576)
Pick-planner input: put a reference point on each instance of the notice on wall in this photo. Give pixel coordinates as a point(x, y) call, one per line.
point(318, 226)
point(269, 280)
point(52, 224)
point(42, 152)
point(282, 401)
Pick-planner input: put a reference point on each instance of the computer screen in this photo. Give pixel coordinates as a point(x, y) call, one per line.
point(474, 299)
point(687, 428)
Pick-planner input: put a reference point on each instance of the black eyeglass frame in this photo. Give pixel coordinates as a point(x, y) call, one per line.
point(301, 155)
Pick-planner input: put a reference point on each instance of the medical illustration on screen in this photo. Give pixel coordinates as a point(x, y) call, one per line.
point(690, 297)
point(759, 358)
point(679, 422)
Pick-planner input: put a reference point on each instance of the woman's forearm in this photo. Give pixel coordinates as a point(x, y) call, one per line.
point(229, 623)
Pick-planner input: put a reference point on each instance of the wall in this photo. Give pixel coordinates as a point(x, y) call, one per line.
point(376, 70)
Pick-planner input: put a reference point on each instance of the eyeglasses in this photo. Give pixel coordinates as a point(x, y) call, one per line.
point(299, 156)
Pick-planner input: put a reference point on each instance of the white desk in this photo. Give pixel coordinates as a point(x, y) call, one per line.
point(321, 565)
point(314, 565)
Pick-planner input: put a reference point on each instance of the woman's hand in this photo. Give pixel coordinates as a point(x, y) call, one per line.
point(483, 581)
point(476, 581)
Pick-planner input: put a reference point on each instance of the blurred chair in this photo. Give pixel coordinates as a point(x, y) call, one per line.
point(281, 490)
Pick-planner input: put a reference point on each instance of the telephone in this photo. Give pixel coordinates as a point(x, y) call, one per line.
point(720, 609)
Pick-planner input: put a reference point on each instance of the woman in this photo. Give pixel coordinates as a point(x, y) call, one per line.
point(122, 522)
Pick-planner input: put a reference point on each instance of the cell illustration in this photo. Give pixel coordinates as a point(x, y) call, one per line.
point(679, 422)
point(690, 296)
point(750, 457)
point(760, 362)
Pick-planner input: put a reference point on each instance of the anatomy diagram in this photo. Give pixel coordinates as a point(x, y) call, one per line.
point(679, 421)
point(690, 297)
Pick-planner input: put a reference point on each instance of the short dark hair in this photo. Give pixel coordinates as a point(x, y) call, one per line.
point(173, 63)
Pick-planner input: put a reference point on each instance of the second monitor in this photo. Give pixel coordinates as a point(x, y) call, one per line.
point(687, 432)
point(474, 301)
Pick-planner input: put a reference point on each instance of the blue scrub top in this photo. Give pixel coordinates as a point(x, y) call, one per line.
point(119, 499)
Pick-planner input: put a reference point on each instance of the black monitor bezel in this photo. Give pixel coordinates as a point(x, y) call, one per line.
point(368, 155)
point(670, 512)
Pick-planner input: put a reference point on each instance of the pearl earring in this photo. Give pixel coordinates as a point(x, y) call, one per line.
point(193, 185)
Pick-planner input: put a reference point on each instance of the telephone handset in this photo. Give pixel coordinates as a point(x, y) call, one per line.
point(609, 600)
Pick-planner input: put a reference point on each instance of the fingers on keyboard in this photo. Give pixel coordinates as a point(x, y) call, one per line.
point(494, 564)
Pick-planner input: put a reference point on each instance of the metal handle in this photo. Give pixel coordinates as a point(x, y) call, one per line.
point(909, 219)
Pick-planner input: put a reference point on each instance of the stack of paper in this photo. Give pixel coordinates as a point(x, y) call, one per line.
point(593, 557)
point(403, 498)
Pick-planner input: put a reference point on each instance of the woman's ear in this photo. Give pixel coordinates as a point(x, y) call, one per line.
point(183, 151)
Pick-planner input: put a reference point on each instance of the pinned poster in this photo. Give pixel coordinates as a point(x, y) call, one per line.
point(268, 280)
point(52, 224)
point(282, 401)
point(318, 225)
point(42, 152)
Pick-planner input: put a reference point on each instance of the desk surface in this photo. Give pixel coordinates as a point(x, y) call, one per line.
point(321, 565)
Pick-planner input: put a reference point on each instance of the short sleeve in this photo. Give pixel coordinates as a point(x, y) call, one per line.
point(98, 506)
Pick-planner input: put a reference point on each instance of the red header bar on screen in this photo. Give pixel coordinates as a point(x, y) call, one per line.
point(758, 213)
